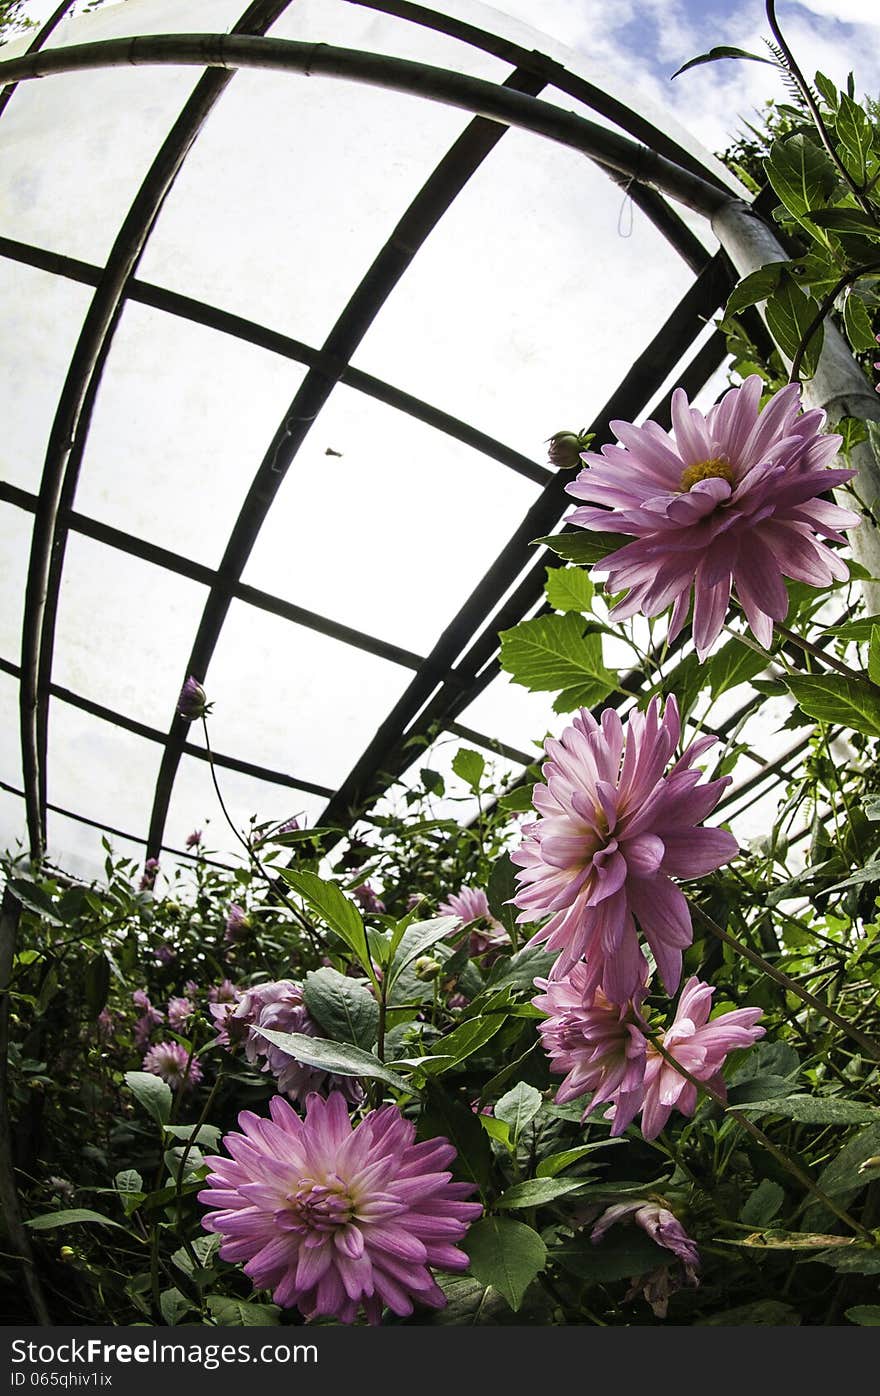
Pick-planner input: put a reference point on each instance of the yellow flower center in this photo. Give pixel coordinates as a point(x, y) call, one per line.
point(706, 470)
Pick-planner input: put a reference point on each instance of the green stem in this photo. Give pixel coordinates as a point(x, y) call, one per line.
point(826, 305)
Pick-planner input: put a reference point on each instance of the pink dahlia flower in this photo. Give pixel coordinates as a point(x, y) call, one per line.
point(471, 904)
point(173, 1064)
point(150, 1018)
point(331, 1217)
point(279, 1006)
point(194, 839)
point(728, 501)
point(367, 897)
point(180, 1010)
point(664, 1228)
point(614, 828)
point(238, 924)
point(701, 1047)
point(599, 1044)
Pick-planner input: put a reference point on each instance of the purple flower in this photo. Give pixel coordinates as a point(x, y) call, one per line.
point(599, 1044)
point(367, 897)
point(332, 1218)
point(180, 1010)
point(165, 954)
point(238, 924)
point(193, 701)
point(194, 839)
point(279, 1006)
point(290, 826)
point(701, 1047)
point(729, 501)
point(191, 989)
point(149, 1019)
point(173, 1064)
point(666, 1230)
point(148, 880)
point(471, 904)
point(614, 827)
point(223, 993)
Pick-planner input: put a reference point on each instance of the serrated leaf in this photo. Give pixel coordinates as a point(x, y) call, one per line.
point(339, 1057)
point(151, 1092)
point(505, 1254)
point(790, 313)
point(734, 663)
point(724, 51)
point(342, 1006)
point(553, 653)
point(75, 1216)
point(836, 698)
point(583, 547)
point(469, 766)
point(569, 589)
point(236, 1313)
point(518, 1107)
point(329, 903)
point(843, 220)
point(756, 287)
point(813, 1110)
point(857, 323)
point(801, 174)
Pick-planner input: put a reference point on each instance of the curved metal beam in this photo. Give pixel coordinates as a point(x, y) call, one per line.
point(474, 95)
point(36, 44)
point(72, 419)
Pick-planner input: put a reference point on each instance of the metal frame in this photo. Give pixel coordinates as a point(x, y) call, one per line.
point(459, 666)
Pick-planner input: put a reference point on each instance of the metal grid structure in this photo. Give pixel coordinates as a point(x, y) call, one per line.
point(464, 658)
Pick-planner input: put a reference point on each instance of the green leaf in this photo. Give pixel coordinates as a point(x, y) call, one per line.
point(827, 89)
point(801, 174)
point(724, 51)
point(150, 1092)
point(342, 1006)
point(76, 1216)
point(129, 1180)
point(519, 801)
point(327, 901)
point(96, 984)
point(206, 1135)
point(555, 1163)
point(173, 1305)
point(518, 1107)
point(583, 547)
point(569, 589)
point(764, 1203)
point(418, 938)
point(505, 1254)
point(756, 287)
point(500, 891)
point(622, 1254)
point(339, 1057)
point(846, 1175)
point(813, 1110)
point(469, 766)
point(836, 698)
point(553, 653)
point(463, 1041)
point(236, 1313)
point(734, 663)
point(519, 970)
point(432, 781)
point(763, 1313)
point(537, 1192)
point(874, 655)
point(854, 132)
point(32, 896)
point(843, 220)
point(447, 1116)
point(789, 315)
point(857, 323)
point(865, 1315)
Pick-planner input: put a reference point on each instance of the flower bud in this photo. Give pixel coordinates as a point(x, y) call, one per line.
point(565, 448)
point(193, 701)
point(66, 1255)
point(426, 968)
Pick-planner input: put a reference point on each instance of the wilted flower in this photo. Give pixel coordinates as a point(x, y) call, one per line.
point(332, 1218)
point(613, 829)
point(180, 1010)
point(367, 897)
point(238, 924)
point(173, 1064)
point(193, 701)
point(599, 1044)
point(729, 501)
point(148, 879)
point(279, 1006)
point(150, 1018)
point(666, 1230)
point(701, 1048)
point(194, 839)
point(471, 904)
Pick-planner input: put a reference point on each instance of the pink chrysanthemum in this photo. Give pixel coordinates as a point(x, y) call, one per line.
point(701, 1047)
point(173, 1064)
point(728, 501)
point(471, 904)
point(180, 1010)
point(613, 830)
point(599, 1044)
point(279, 1006)
point(331, 1217)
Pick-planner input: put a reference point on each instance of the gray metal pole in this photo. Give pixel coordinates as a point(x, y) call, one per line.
point(839, 386)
